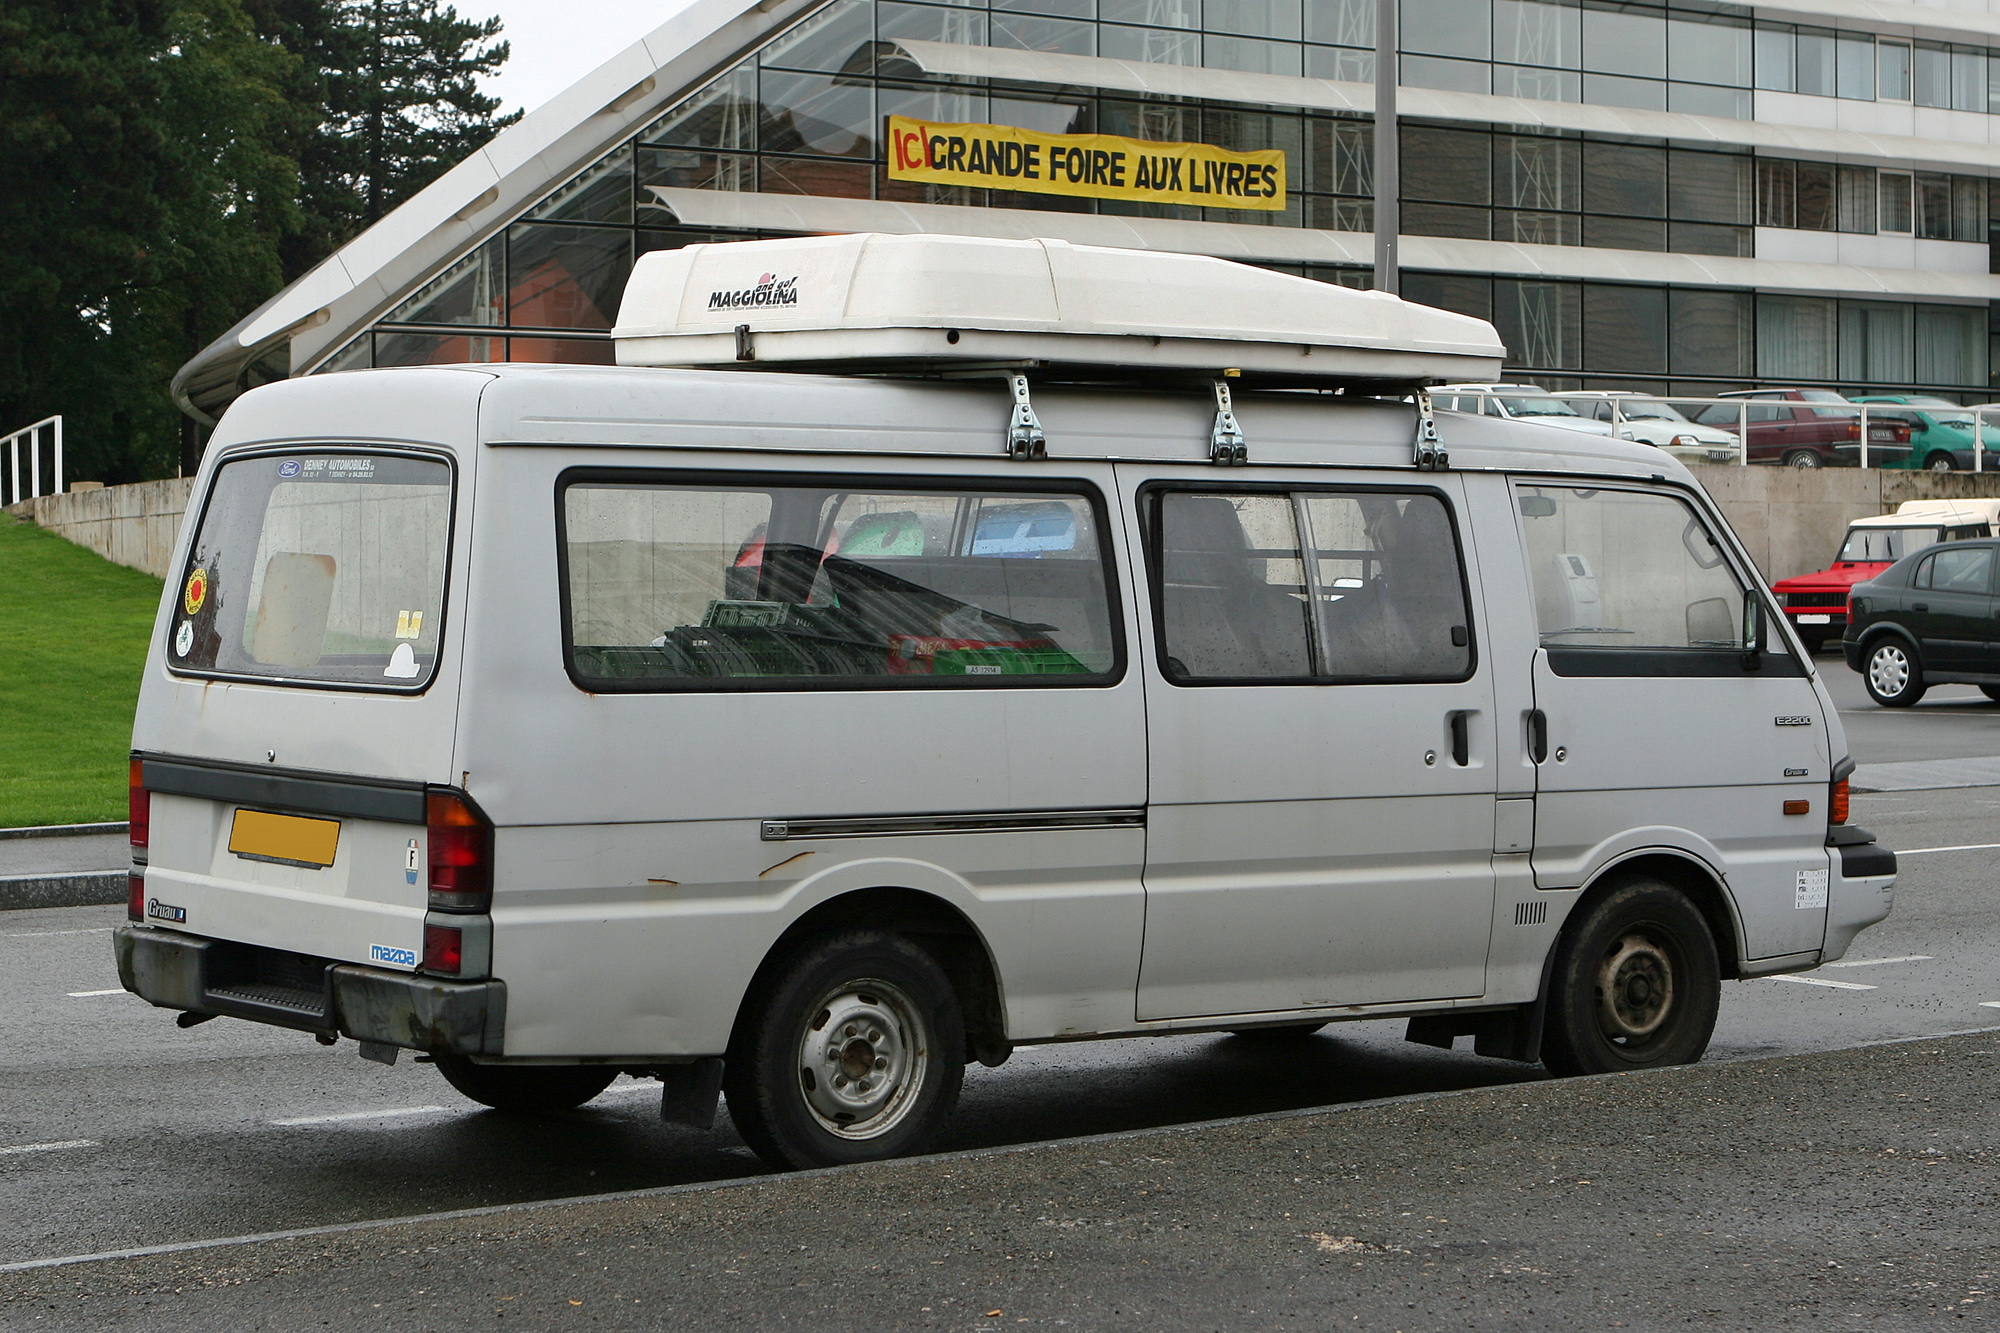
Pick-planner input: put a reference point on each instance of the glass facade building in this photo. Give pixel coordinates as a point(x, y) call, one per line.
point(1690, 198)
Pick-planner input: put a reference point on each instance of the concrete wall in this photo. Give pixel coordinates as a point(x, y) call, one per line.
point(1791, 519)
point(128, 525)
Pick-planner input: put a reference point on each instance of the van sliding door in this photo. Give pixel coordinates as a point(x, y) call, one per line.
point(1321, 767)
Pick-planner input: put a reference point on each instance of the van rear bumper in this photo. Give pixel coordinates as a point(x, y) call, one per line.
point(176, 971)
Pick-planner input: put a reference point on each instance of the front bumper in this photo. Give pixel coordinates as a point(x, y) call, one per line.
point(176, 971)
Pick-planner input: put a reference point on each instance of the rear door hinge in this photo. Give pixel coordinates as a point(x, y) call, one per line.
point(1225, 445)
point(1025, 439)
point(1430, 454)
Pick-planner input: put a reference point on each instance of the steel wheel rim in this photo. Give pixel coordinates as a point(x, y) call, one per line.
point(1889, 670)
point(1805, 460)
point(862, 1059)
point(1635, 989)
point(1941, 463)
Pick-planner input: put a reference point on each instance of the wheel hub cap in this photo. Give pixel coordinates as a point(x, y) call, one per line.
point(862, 1059)
point(1889, 671)
point(1635, 988)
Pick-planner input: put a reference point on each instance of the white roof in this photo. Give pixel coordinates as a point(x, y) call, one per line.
point(870, 299)
point(1964, 510)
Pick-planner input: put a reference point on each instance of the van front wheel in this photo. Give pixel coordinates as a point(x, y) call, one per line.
point(852, 1051)
point(1636, 984)
point(526, 1088)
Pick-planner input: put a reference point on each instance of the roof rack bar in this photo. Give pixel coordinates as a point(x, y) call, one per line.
point(1226, 446)
point(1025, 439)
point(1430, 453)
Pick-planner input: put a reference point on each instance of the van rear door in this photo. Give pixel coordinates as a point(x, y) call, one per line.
point(297, 709)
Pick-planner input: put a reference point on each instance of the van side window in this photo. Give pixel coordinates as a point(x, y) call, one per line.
point(1308, 586)
point(1625, 570)
point(758, 582)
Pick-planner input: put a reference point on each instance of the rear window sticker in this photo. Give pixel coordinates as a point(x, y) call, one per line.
point(410, 858)
point(289, 468)
point(196, 592)
point(184, 639)
point(409, 624)
point(402, 663)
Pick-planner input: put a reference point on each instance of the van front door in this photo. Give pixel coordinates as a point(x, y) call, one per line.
point(1321, 749)
point(1656, 731)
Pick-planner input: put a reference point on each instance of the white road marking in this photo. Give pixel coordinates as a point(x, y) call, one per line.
point(1822, 981)
point(1989, 1004)
point(359, 1115)
point(1969, 847)
point(1877, 962)
point(48, 1147)
point(37, 934)
point(86, 994)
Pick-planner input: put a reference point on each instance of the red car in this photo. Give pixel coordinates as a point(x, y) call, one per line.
point(1817, 603)
point(1810, 428)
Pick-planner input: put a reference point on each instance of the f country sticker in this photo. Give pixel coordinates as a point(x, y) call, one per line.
point(382, 953)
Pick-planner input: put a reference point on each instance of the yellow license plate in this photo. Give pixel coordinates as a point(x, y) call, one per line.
point(258, 835)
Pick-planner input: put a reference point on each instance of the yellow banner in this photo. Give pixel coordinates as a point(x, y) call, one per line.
point(1102, 166)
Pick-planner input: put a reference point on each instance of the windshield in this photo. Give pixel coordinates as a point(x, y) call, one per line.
point(1537, 407)
point(1885, 544)
point(318, 567)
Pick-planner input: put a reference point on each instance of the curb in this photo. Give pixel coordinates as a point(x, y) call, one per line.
point(61, 830)
point(91, 888)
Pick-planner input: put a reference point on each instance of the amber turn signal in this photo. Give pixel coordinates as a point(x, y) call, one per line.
point(1798, 807)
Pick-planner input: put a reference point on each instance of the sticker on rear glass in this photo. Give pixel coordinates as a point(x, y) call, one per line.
point(184, 639)
point(196, 592)
point(382, 953)
point(402, 664)
point(1811, 890)
point(410, 855)
point(409, 624)
point(289, 468)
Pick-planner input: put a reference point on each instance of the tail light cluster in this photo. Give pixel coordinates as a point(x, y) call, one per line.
point(139, 819)
point(1837, 812)
point(461, 854)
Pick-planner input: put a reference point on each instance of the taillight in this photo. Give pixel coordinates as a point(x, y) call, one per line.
point(135, 894)
point(138, 806)
point(444, 950)
point(1837, 814)
point(461, 854)
point(1854, 430)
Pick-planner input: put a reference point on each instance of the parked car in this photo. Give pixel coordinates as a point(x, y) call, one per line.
point(1941, 432)
point(1927, 620)
point(1519, 402)
point(1809, 428)
point(1817, 603)
point(1659, 423)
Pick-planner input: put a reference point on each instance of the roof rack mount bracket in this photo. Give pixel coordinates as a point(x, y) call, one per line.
point(1225, 446)
point(1430, 455)
point(1025, 439)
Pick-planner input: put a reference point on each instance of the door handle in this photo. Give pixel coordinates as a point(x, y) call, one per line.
point(1920, 606)
point(1538, 735)
point(1461, 739)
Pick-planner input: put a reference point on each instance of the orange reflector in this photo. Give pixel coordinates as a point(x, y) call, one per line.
point(1798, 807)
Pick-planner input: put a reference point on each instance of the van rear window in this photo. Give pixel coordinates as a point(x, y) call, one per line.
point(739, 586)
point(320, 567)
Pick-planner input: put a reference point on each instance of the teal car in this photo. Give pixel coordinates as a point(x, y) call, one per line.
point(1940, 432)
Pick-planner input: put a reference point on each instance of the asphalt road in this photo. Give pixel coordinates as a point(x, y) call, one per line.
point(1950, 722)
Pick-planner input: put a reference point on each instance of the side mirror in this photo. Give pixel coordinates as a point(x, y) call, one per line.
point(1753, 632)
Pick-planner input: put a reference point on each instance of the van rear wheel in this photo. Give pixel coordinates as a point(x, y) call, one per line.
point(853, 1050)
point(1636, 984)
point(526, 1088)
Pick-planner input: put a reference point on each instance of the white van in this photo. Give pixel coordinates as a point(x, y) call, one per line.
point(986, 673)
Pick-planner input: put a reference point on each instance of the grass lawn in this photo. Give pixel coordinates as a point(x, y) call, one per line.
point(73, 635)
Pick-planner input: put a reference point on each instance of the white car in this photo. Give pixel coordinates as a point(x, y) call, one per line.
point(1659, 423)
point(1519, 402)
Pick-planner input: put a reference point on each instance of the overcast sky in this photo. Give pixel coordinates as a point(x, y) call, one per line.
point(557, 42)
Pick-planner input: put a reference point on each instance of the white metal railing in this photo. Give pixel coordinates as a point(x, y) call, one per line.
point(33, 436)
point(1866, 414)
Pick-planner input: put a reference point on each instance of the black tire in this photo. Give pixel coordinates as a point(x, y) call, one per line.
point(880, 1003)
point(1803, 458)
point(527, 1089)
point(1276, 1036)
point(1991, 691)
point(1940, 462)
point(1893, 673)
point(1636, 984)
